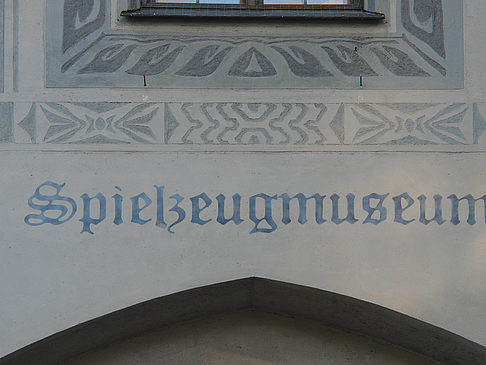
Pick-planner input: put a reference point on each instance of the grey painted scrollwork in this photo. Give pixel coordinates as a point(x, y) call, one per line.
point(425, 20)
point(308, 67)
point(82, 18)
point(398, 62)
point(412, 58)
point(252, 63)
point(155, 61)
point(199, 65)
point(349, 61)
point(109, 59)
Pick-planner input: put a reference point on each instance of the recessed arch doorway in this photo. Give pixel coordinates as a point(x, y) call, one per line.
point(253, 321)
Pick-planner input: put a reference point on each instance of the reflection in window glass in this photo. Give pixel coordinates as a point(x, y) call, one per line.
point(276, 2)
point(219, 1)
point(310, 2)
point(284, 2)
point(327, 2)
point(265, 2)
point(176, 1)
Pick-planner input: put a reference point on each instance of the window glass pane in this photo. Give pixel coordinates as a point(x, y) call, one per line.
point(176, 1)
point(311, 2)
point(327, 2)
point(266, 2)
point(284, 2)
point(219, 1)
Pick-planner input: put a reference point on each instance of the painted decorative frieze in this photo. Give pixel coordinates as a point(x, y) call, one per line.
point(264, 124)
point(409, 124)
point(90, 123)
point(267, 124)
point(425, 53)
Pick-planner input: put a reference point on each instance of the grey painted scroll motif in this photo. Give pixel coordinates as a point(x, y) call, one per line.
point(425, 20)
point(87, 53)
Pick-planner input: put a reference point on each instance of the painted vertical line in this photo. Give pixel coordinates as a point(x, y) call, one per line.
point(7, 45)
point(15, 44)
point(371, 5)
point(2, 47)
point(6, 122)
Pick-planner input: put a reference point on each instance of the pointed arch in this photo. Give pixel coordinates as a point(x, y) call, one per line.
point(259, 295)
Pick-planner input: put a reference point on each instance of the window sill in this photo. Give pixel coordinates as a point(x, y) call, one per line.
point(329, 15)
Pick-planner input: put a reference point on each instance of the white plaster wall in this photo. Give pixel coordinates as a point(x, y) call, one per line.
point(58, 278)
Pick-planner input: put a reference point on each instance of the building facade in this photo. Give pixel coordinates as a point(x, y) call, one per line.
point(214, 191)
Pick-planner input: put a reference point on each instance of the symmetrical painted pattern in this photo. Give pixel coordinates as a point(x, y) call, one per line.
point(91, 123)
point(270, 124)
point(425, 53)
point(415, 124)
point(264, 124)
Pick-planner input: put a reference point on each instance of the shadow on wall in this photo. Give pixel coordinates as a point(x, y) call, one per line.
point(224, 316)
point(250, 338)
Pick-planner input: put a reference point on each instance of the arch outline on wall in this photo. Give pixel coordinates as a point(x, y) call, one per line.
point(258, 295)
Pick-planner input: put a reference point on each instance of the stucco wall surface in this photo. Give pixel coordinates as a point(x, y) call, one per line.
point(259, 112)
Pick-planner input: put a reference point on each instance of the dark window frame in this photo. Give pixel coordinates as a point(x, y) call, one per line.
point(256, 5)
point(254, 9)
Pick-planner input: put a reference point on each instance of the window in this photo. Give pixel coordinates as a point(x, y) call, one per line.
point(259, 4)
point(276, 9)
